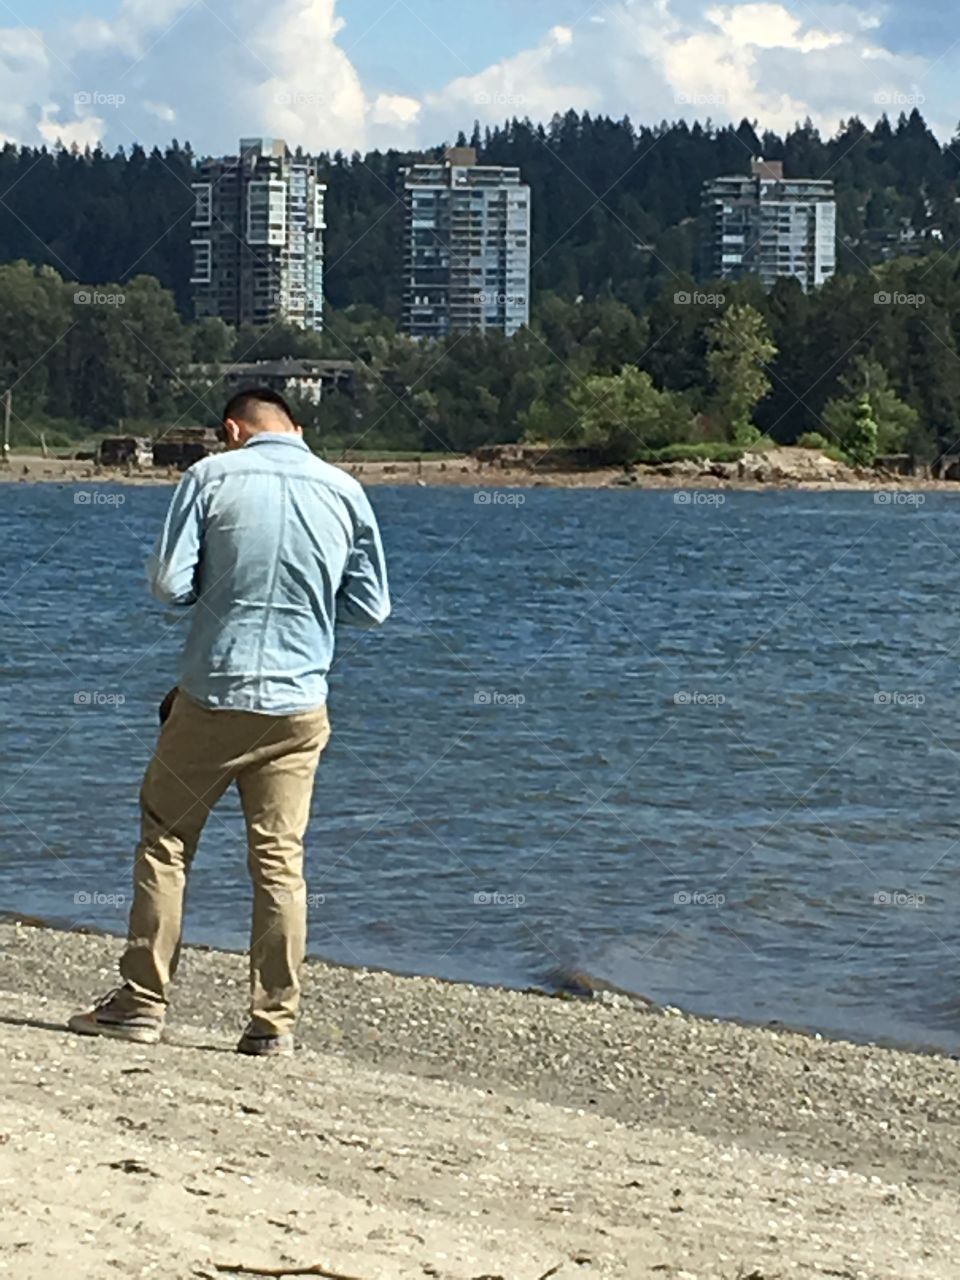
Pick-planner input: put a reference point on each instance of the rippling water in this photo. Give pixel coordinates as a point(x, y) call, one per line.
point(709, 753)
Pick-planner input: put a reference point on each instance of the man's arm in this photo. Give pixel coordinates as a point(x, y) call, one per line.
point(364, 596)
point(172, 568)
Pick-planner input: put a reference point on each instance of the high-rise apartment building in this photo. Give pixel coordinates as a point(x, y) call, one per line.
point(467, 247)
point(258, 237)
point(771, 226)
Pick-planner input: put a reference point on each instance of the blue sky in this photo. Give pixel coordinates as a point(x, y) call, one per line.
point(365, 73)
point(436, 39)
point(421, 32)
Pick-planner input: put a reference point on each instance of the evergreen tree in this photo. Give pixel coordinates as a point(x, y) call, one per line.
point(896, 422)
point(861, 446)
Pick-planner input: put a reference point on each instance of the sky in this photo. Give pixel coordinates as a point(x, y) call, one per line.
point(361, 74)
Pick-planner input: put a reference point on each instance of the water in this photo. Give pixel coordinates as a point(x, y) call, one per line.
point(682, 747)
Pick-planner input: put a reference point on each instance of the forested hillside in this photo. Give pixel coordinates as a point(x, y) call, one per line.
point(629, 348)
point(615, 206)
point(719, 365)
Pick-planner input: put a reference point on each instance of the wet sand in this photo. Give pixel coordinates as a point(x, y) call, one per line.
point(435, 1129)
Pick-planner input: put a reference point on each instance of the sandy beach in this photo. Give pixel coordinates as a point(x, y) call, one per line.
point(786, 468)
point(31, 469)
point(428, 1129)
point(462, 472)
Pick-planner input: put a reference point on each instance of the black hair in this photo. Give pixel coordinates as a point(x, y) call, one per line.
point(244, 406)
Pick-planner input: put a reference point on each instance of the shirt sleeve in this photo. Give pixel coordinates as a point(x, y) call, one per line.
point(173, 567)
point(364, 596)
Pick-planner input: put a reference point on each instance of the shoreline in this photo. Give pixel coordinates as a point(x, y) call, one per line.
point(428, 1128)
point(467, 473)
point(574, 985)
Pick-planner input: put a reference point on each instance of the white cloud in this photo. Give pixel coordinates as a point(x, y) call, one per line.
point(535, 82)
point(223, 69)
point(25, 76)
point(310, 91)
point(765, 61)
point(769, 26)
point(161, 110)
point(72, 133)
point(394, 109)
point(136, 29)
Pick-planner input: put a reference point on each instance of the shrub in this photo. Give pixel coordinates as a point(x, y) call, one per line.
point(813, 440)
point(705, 451)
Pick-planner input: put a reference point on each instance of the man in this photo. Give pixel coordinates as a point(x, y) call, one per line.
point(268, 547)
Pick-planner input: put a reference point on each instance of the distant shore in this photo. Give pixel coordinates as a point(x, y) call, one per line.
point(782, 473)
point(445, 1130)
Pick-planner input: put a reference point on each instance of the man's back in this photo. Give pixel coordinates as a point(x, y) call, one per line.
point(272, 546)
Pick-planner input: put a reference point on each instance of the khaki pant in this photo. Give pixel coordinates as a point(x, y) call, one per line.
point(273, 760)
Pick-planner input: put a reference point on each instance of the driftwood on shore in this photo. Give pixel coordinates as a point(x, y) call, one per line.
point(240, 1269)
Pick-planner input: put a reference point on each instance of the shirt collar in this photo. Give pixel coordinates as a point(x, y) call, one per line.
point(276, 437)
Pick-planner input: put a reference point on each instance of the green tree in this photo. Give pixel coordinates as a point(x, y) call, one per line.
point(212, 341)
point(274, 341)
point(125, 350)
point(861, 445)
point(739, 350)
point(36, 318)
point(896, 421)
point(623, 413)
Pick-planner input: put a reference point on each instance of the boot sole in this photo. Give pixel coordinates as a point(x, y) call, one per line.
point(254, 1051)
point(82, 1026)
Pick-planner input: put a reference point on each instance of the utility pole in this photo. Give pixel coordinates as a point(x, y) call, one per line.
point(7, 410)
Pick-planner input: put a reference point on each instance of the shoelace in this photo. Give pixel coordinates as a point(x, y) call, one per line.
point(107, 999)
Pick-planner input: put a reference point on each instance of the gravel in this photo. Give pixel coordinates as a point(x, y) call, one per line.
point(432, 1128)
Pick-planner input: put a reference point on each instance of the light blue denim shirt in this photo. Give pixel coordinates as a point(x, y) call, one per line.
point(269, 547)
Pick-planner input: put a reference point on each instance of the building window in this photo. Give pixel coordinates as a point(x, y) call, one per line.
point(203, 210)
point(202, 262)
